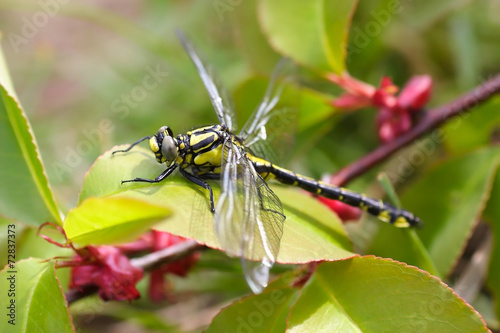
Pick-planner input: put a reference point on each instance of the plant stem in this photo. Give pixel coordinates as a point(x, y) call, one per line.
point(431, 120)
point(147, 262)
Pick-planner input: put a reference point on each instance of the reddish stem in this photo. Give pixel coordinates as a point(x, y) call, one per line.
point(431, 120)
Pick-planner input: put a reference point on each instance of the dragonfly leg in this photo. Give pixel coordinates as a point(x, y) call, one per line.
point(201, 183)
point(158, 179)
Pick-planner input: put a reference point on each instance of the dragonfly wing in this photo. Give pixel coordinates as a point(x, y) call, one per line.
point(271, 128)
point(221, 100)
point(264, 227)
point(249, 217)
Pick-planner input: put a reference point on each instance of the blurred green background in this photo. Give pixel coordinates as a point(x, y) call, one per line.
point(74, 71)
point(84, 78)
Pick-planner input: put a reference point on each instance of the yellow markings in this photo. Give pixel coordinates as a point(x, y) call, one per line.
point(309, 179)
point(341, 198)
point(195, 139)
point(216, 170)
point(182, 145)
point(214, 127)
point(260, 161)
point(211, 157)
point(188, 158)
point(384, 216)
point(319, 190)
point(153, 144)
point(267, 175)
point(362, 205)
point(401, 222)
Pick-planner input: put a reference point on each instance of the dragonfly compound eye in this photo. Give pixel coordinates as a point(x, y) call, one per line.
point(169, 149)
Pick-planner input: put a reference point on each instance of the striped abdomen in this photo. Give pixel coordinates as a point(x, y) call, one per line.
point(387, 213)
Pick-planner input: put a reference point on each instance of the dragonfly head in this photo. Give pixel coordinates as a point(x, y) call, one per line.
point(164, 145)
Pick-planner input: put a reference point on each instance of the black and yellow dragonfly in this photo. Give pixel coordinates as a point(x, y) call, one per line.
point(248, 217)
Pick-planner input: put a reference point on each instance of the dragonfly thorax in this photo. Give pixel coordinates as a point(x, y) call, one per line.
point(164, 145)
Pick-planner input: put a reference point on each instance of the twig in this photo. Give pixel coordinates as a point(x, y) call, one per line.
point(431, 120)
point(169, 254)
point(147, 262)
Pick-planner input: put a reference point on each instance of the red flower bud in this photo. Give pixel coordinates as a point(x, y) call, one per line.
point(416, 93)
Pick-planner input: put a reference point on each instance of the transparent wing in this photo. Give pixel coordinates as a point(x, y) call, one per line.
point(221, 100)
point(271, 128)
point(249, 217)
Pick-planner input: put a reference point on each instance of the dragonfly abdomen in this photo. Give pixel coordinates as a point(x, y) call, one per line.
point(384, 212)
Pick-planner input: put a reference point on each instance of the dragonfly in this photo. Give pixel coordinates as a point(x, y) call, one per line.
point(248, 215)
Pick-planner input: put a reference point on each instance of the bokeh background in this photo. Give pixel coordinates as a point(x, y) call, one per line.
point(83, 71)
point(75, 69)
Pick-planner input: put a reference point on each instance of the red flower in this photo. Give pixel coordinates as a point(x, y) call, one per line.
point(109, 269)
point(394, 117)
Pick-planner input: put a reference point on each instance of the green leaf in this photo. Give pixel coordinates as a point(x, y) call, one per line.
point(492, 214)
point(266, 312)
point(24, 194)
point(418, 249)
point(111, 220)
point(313, 33)
point(472, 130)
point(310, 224)
point(449, 199)
point(369, 294)
point(40, 305)
point(251, 41)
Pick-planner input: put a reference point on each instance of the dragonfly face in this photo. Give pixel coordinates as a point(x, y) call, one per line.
point(164, 146)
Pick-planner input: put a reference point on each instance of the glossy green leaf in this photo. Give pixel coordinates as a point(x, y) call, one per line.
point(369, 294)
point(24, 194)
point(492, 215)
point(266, 312)
point(311, 230)
point(40, 305)
point(313, 33)
point(111, 220)
point(472, 130)
point(449, 199)
point(252, 42)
